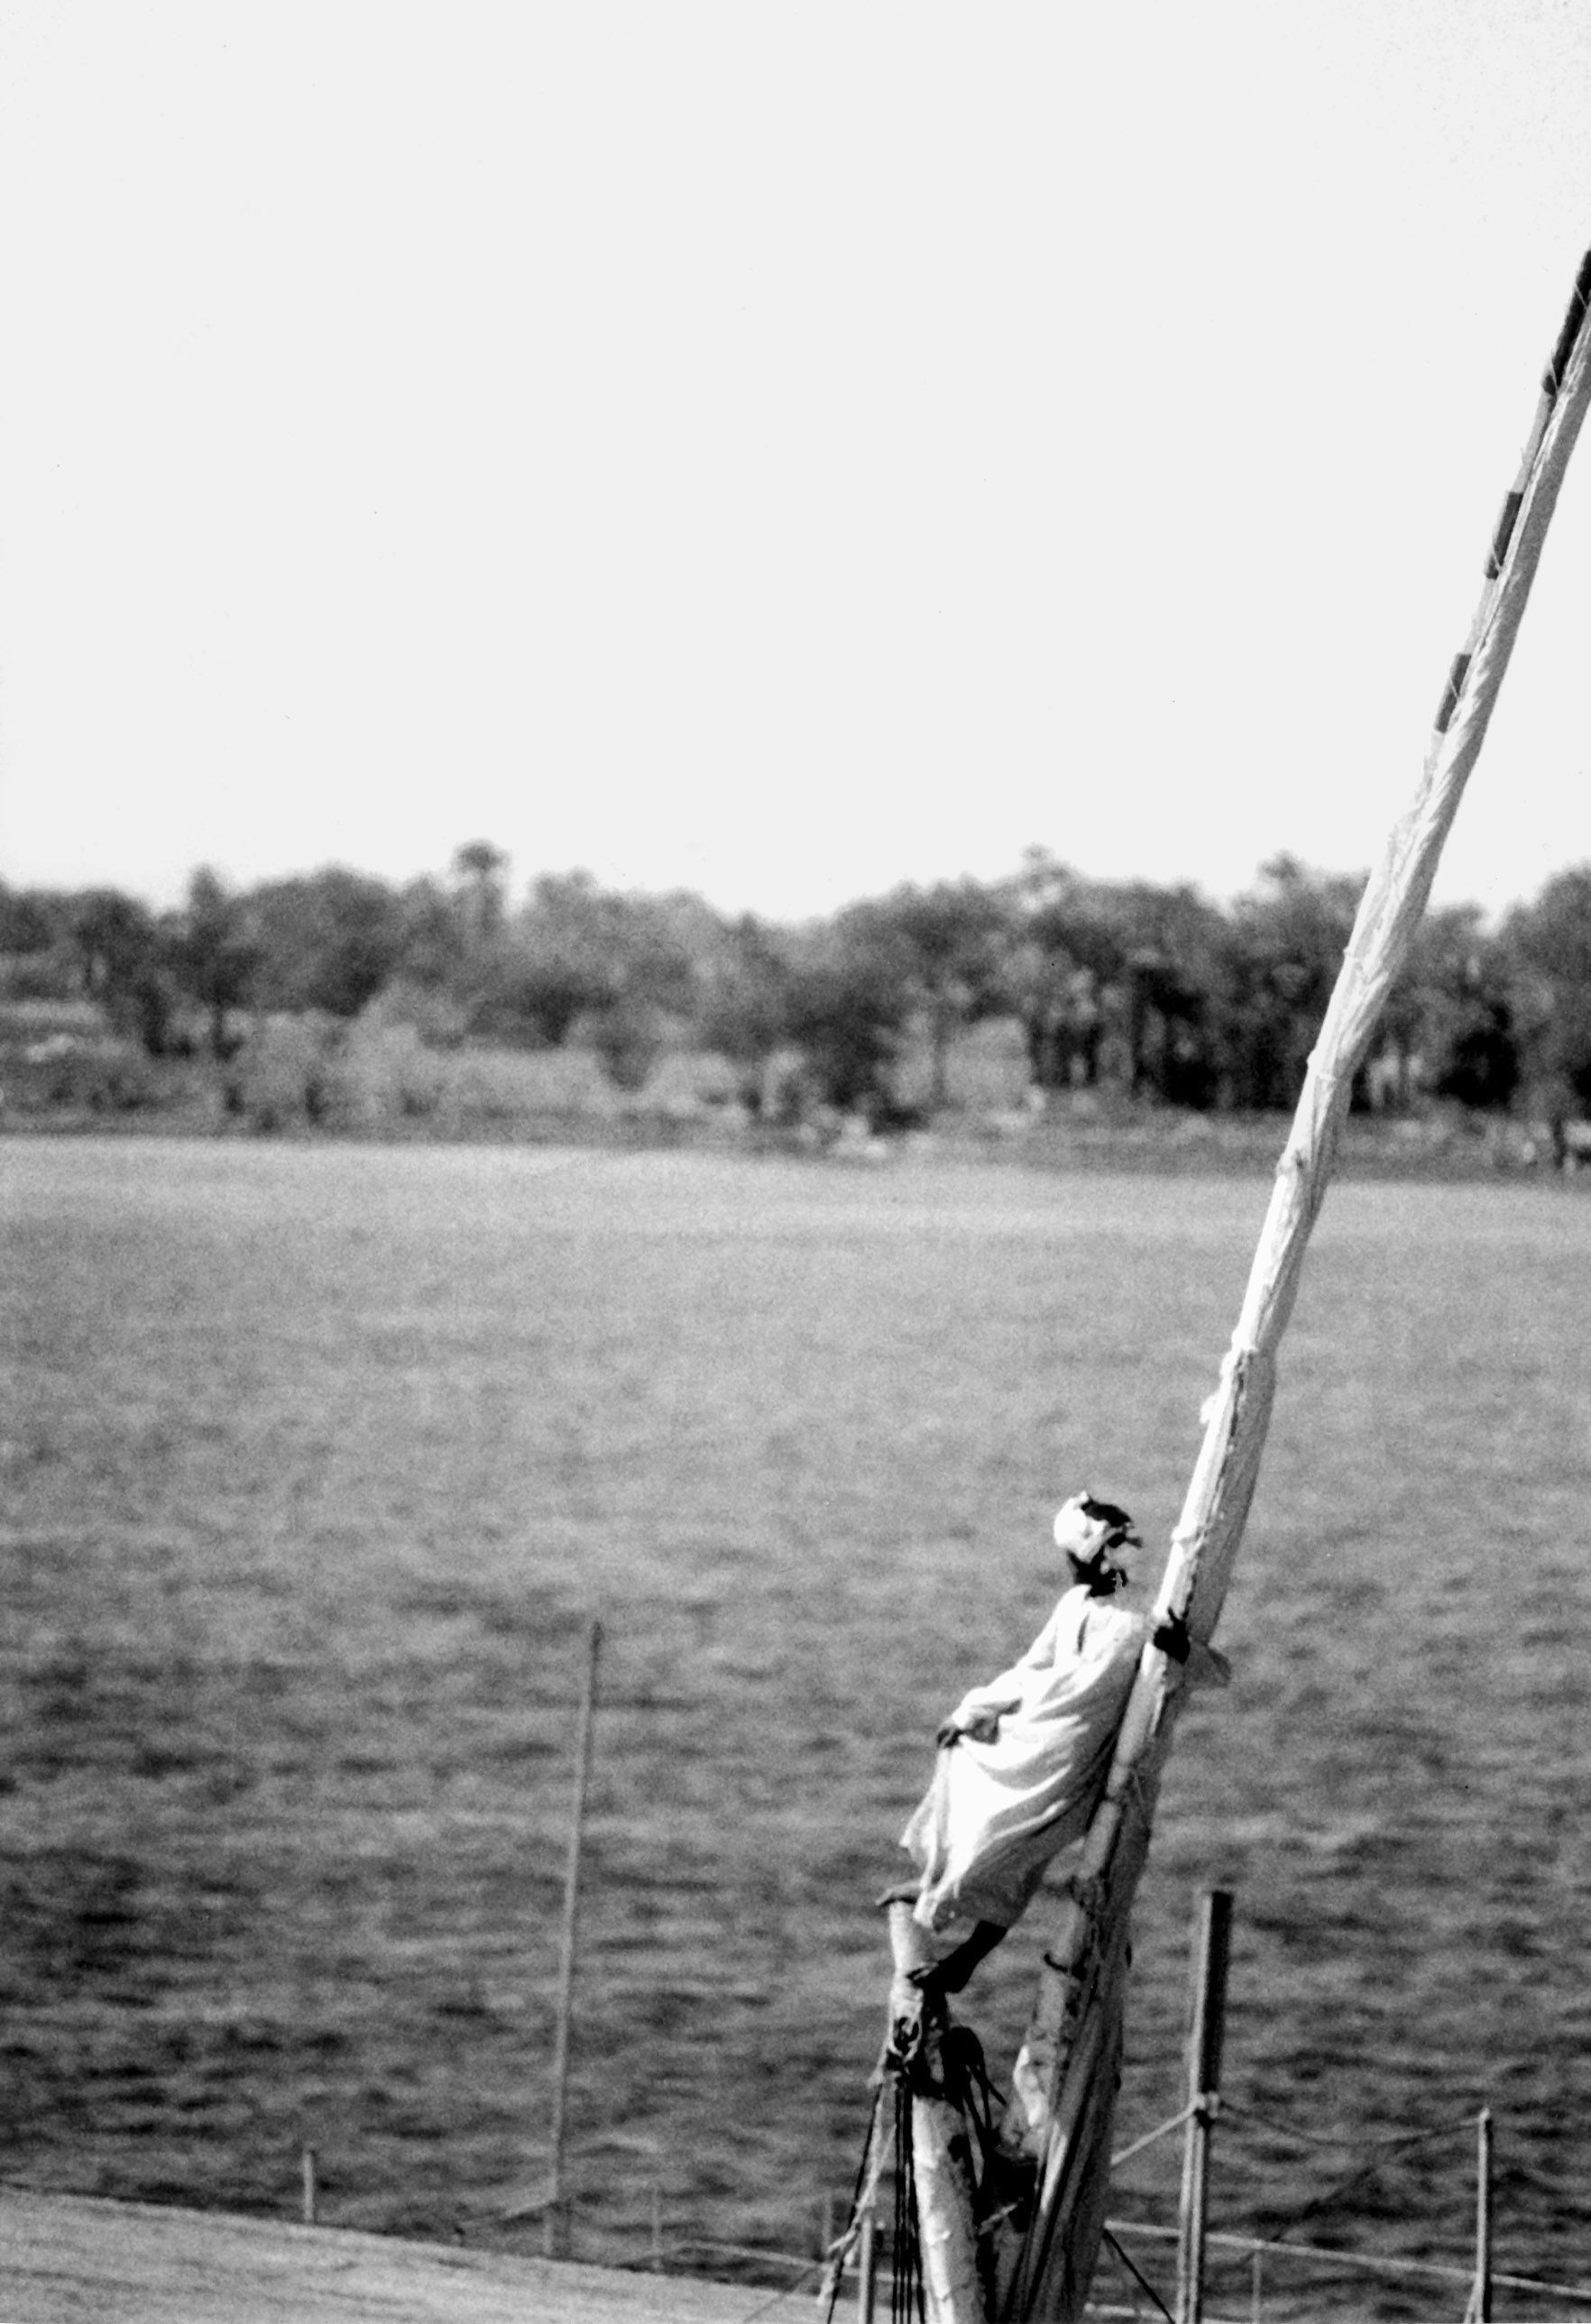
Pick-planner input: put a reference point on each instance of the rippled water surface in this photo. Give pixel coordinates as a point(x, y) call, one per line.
point(320, 1459)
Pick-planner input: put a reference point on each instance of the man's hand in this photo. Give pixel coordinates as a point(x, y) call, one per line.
point(1172, 1638)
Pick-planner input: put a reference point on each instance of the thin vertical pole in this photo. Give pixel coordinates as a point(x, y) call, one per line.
point(308, 2166)
point(832, 2274)
point(1213, 1946)
point(1481, 2308)
point(867, 2269)
point(553, 2238)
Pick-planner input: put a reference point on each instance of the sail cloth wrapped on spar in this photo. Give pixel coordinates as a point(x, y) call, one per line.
point(975, 1853)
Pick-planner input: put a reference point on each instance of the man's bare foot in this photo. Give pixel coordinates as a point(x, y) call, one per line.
point(936, 1979)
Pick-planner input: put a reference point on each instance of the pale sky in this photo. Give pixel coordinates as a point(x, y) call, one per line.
point(777, 449)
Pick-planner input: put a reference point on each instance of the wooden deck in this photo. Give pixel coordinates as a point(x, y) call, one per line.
point(67, 2259)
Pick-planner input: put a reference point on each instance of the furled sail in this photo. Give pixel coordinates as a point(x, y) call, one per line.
point(1062, 2103)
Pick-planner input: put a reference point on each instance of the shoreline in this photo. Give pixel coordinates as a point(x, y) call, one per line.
point(1436, 1149)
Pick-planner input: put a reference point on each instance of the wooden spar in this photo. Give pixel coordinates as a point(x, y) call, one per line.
point(867, 2269)
point(1063, 2046)
point(1213, 1946)
point(1480, 2298)
point(554, 2225)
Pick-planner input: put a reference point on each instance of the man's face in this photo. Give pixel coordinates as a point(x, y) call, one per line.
point(1089, 1541)
point(1083, 1537)
point(1092, 1555)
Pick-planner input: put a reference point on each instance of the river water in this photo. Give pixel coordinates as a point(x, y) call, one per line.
point(323, 1457)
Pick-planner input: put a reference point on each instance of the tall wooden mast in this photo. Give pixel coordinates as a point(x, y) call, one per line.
point(1065, 2085)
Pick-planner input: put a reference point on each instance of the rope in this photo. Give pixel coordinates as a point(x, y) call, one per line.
point(968, 2089)
point(1381, 2149)
point(1366, 2263)
point(1354, 2178)
point(1231, 2111)
point(1162, 2130)
point(1138, 2277)
point(869, 2171)
point(907, 2303)
point(971, 2092)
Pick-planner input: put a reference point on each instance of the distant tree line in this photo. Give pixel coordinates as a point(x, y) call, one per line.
point(1153, 991)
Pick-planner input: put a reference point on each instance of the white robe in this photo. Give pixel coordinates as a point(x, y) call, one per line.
point(996, 1813)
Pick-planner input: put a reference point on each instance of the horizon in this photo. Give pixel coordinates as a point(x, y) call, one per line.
point(775, 459)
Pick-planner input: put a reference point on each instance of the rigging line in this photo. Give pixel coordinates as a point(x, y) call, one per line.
point(1324, 2202)
point(882, 2149)
point(865, 2191)
point(907, 2303)
point(1149, 2137)
point(1138, 2277)
point(1372, 2264)
point(1233, 2110)
point(975, 2096)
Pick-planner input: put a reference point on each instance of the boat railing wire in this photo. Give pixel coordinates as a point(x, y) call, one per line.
point(805, 2273)
point(830, 2267)
point(1284, 2241)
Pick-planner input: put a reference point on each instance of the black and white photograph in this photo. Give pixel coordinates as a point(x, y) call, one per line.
point(795, 1162)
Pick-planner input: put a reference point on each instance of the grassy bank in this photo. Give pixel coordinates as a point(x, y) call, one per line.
point(63, 1073)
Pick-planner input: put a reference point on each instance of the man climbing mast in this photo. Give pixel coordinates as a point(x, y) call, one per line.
point(1022, 1760)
